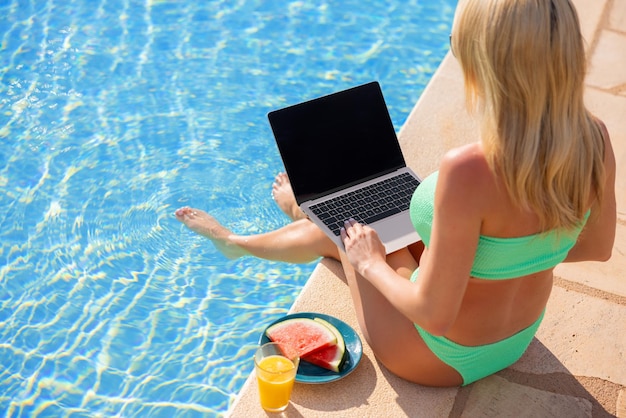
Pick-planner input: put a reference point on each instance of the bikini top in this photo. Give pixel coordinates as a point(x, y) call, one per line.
point(498, 258)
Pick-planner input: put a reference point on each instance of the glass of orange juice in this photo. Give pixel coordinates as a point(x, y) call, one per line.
point(276, 374)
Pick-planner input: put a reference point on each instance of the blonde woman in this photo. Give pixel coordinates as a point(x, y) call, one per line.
point(535, 190)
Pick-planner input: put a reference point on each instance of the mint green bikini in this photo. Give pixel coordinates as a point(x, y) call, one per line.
point(495, 259)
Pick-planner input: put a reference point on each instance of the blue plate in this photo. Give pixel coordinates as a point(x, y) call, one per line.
point(310, 373)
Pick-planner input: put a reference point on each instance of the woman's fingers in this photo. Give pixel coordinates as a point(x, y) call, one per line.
point(354, 230)
point(350, 228)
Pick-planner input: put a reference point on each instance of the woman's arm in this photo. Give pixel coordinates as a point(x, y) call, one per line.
point(595, 242)
point(434, 300)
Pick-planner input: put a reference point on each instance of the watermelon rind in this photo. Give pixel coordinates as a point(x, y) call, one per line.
point(301, 336)
point(330, 358)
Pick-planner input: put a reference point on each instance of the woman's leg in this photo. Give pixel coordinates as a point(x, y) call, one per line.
point(299, 242)
point(392, 336)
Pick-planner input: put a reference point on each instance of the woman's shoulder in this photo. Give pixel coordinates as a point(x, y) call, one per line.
point(466, 166)
point(465, 181)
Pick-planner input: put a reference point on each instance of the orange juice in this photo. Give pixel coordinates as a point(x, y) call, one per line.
point(275, 376)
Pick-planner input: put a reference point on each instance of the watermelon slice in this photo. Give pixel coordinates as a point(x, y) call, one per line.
point(301, 336)
point(331, 358)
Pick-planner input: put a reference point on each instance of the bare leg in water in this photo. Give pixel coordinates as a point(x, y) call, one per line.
point(299, 242)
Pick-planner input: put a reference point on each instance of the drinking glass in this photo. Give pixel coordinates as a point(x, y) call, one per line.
point(276, 374)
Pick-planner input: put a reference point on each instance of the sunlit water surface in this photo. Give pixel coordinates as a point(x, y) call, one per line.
point(113, 113)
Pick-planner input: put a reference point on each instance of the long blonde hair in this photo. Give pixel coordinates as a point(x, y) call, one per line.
point(524, 66)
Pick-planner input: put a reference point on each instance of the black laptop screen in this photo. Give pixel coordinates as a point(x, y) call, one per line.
point(336, 141)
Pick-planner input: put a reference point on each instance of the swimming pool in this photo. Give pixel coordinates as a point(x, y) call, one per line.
point(113, 114)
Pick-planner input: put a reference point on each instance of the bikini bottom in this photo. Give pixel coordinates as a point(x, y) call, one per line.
point(476, 362)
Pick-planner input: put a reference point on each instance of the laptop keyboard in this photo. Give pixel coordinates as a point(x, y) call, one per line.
point(369, 204)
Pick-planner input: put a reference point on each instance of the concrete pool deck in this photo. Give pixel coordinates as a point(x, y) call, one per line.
point(576, 365)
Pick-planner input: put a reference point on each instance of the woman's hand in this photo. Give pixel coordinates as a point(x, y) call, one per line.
point(363, 247)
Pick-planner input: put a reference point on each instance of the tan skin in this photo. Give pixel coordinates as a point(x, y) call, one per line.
point(470, 201)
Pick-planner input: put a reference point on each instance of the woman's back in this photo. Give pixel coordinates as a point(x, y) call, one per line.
point(497, 307)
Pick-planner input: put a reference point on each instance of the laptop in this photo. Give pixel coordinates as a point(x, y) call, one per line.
point(343, 160)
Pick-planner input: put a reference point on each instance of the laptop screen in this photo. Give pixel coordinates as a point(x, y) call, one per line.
point(336, 141)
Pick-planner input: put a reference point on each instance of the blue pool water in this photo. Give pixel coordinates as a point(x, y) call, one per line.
point(113, 113)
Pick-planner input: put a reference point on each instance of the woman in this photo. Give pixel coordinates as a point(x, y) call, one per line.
point(536, 189)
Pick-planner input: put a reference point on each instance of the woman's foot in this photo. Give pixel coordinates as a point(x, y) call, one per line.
point(284, 197)
point(204, 224)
